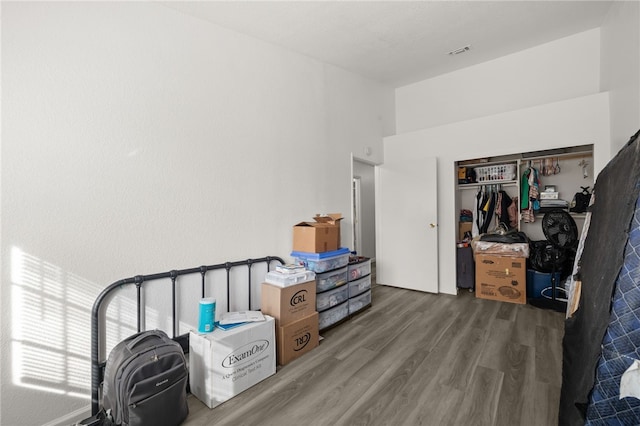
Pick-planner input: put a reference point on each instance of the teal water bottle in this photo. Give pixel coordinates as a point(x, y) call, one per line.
point(207, 315)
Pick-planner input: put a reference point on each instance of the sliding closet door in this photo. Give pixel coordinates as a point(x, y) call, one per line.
point(406, 224)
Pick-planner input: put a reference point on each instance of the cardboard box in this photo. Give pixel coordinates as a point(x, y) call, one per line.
point(319, 236)
point(315, 237)
point(502, 278)
point(462, 228)
point(224, 363)
point(333, 219)
point(288, 304)
point(297, 338)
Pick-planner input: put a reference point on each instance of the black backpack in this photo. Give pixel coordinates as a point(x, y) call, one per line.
point(581, 201)
point(145, 381)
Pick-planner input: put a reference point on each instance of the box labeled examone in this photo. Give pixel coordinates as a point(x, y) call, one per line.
point(224, 363)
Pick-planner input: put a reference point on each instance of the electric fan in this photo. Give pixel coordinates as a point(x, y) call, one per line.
point(562, 233)
point(560, 229)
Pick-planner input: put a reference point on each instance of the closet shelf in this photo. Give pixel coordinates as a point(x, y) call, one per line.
point(572, 214)
point(488, 182)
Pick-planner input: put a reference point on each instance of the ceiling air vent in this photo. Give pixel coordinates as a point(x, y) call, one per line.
point(460, 50)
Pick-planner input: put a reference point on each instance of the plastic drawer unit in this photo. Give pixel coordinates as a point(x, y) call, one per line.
point(359, 267)
point(359, 286)
point(285, 280)
point(331, 298)
point(333, 315)
point(359, 302)
point(328, 280)
point(322, 262)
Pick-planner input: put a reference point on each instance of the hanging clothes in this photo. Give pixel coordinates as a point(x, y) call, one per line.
point(475, 228)
point(512, 211)
point(504, 203)
point(524, 189)
point(489, 210)
point(532, 195)
point(482, 213)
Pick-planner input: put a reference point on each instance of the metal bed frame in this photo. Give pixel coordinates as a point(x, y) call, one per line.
point(97, 366)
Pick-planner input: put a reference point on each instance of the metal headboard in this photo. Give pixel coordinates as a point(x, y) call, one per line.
point(97, 366)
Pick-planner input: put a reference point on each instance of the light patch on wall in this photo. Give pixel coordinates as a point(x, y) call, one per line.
point(51, 316)
point(133, 152)
point(51, 319)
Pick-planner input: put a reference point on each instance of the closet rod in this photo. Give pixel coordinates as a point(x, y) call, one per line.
point(567, 156)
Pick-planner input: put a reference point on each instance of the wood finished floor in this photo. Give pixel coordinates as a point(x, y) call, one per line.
point(414, 359)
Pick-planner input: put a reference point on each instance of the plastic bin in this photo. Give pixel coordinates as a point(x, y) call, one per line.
point(333, 315)
point(322, 262)
point(539, 285)
point(359, 286)
point(331, 298)
point(359, 267)
point(285, 280)
point(359, 302)
point(496, 173)
point(328, 280)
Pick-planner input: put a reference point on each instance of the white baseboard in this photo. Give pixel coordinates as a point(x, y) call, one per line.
point(71, 418)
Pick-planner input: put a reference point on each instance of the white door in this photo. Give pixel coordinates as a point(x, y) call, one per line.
point(407, 226)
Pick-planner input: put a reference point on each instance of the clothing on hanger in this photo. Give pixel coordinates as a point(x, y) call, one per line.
point(530, 202)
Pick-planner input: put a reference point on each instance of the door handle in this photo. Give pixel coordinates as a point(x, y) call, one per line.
point(432, 225)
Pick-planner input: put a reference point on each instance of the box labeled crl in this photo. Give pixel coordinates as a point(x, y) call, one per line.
point(288, 304)
point(224, 363)
point(297, 338)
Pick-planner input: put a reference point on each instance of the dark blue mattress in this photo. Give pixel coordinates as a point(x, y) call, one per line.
point(621, 342)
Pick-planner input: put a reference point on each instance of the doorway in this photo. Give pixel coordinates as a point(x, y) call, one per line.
point(356, 205)
point(363, 209)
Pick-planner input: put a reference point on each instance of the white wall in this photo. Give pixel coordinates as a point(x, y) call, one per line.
point(577, 121)
point(563, 69)
point(137, 140)
point(620, 69)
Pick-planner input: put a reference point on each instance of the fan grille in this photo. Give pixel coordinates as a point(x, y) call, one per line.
point(560, 229)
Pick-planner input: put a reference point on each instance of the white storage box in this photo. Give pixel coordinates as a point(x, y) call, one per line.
point(333, 315)
point(359, 302)
point(224, 363)
point(359, 268)
point(549, 195)
point(331, 279)
point(284, 280)
point(331, 298)
point(359, 286)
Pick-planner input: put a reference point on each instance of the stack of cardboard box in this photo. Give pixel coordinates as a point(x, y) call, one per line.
point(316, 245)
point(293, 303)
point(294, 309)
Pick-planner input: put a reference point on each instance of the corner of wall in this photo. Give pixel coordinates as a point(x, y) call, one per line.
point(620, 70)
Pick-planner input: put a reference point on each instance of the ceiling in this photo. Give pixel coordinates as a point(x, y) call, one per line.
point(401, 42)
